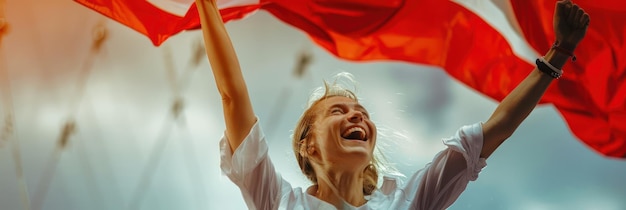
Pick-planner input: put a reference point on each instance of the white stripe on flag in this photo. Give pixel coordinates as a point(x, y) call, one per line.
point(175, 7)
point(180, 7)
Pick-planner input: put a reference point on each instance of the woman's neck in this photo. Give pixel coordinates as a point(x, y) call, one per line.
point(348, 186)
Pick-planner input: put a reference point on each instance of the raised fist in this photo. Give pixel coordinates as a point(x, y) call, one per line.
point(570, 24)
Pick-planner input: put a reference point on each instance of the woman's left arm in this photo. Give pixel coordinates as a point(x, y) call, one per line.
point(570, 25)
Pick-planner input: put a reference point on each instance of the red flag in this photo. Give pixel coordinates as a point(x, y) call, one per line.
point(441, 33)
point(591, 96)
point(445, 34)
point(151, 18)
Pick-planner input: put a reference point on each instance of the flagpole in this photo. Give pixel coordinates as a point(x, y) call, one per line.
point(188, 146)
point(178, 87)
point(69, 128)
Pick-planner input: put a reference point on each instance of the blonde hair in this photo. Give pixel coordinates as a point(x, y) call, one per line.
point(305, 124)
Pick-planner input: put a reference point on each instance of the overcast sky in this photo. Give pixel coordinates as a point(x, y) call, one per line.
point(129, 150)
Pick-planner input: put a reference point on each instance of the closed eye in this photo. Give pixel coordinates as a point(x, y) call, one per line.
point(336, 111)
point(367, 115)
point(362, 110)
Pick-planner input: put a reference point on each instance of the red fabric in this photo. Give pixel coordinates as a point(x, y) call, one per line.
point(153, 22)
point(591, 95)
point(445, 34)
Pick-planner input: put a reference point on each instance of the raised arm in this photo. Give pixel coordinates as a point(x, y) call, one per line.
point(238, 113)
point(570, 25)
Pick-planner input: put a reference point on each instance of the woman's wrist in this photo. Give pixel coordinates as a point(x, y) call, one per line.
point(570, 47)
point(557, 59)
point(552, 63)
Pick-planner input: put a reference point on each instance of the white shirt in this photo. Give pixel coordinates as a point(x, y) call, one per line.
point(436, 186)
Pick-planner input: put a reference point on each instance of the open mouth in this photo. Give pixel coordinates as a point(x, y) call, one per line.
point(355, 133)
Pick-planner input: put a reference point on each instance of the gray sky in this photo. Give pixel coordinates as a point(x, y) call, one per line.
point(124, 116)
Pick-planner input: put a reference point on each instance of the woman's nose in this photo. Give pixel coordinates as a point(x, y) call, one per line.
point(356, 117)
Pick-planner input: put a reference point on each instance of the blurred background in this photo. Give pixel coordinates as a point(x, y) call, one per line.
point(95, 117)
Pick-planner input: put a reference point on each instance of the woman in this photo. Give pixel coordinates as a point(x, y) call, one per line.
point(335, 139)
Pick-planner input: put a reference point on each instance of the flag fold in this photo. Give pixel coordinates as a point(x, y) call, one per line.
point(591, 96)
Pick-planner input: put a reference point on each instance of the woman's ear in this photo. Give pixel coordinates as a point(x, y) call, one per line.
point(310, 149)
point(307, 149)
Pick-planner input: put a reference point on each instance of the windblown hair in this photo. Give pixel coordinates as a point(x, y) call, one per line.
point(305, 125)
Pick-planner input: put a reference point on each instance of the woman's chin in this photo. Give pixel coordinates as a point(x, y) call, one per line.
point(354, 146)
point(355, 155)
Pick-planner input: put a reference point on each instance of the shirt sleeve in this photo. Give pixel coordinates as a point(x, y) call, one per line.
point(441, 182)
point(250, 168)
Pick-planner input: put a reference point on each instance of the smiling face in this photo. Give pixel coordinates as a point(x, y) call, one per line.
point(342, 134)
point(335, 133)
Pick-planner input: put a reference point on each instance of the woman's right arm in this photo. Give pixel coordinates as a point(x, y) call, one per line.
point(261, 186)
point(238, 113)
